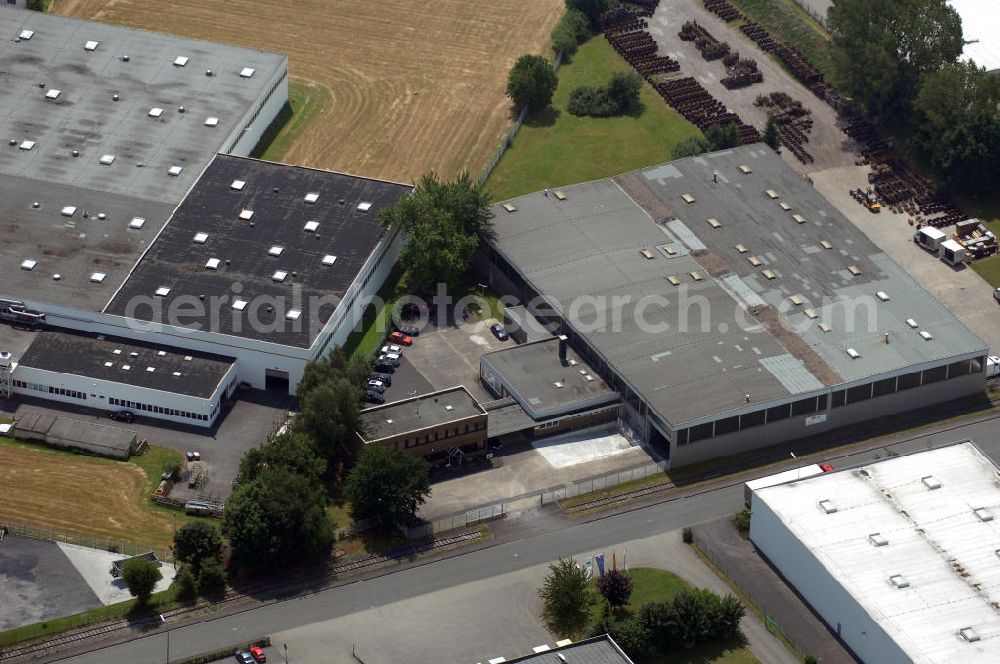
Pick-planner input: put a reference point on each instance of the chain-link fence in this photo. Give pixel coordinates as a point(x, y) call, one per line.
point(469, 518)
point(573, 489)
point(103, 543)
point(813, 8)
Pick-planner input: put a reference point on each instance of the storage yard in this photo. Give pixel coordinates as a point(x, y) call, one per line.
point(416, 87)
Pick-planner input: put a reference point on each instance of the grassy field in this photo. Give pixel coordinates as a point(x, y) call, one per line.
point(555, 148)
point(86, 496)
point(786, 21)
point(414, 86)
point(305, 103)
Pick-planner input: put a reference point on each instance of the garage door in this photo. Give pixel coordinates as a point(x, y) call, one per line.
point(276, 381)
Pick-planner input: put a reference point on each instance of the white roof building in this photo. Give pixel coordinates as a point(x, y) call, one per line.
point(901, 557)
point(981, 31)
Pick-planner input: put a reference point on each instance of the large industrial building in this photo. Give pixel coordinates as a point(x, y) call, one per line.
point(729, 304)
point(899, 557)
point(133, 215)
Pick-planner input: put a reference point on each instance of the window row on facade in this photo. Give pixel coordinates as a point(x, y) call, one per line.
point(159, 410)
point(444, 434)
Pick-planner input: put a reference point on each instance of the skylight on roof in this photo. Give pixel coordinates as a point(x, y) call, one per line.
point(28, 264)
point(92, 45)
point(246, 214)
point(200, 238)
point(161, 353)
point(237, 185)
point(275, 250)
point(279, 275)
point(213, 264)
point(163, 291)
point(983, 514)
point(150, 369)
point(26, 34)
point(969, 634)
point(364, 206)
point(175, 170)
point(211, 121)
point(155, 112)
point(126, 367)
point(136, 223)
point(311, 226)
point(931, 482)
point(912, 323)
point(828, 506)
point(293, 314)
point(312, 197)
point(926, 335)
point(899, 581)
point(329, 259)
point(107, 159)
point(181, 61)
point(26, 145)
point(878, 539)
point(68, 211)
point(98, 277)
point(247, 72)
point(882, 295)
point(853, 354)
point(239, 305)
point(109, 364)
point(53, 93)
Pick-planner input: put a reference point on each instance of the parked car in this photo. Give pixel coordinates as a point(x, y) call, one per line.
point(372, 396)
point(409, 330)
point(398, 337)
point(392, 348)
point(498, 331)
point(383, 366)
point(375, 386)
point(244, 657)
point(383, 377)
point(126, 416)
point(258, 654)
point(996, 294)
point(391, 357)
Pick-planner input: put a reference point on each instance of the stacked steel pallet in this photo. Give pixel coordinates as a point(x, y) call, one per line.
point(740, 72)
point(641, 7)
point(759, 35)
point(793, 121)
point(702, 109)
point(709, 47)
point(627, 35)
point(723, 10)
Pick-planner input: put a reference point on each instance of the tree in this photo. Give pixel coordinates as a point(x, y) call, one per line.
point(566, 597)
point(883, 48)
point(592, 9)
point(37, 5)
point(276, 519)
point(616, 587)
point(294, 451)
point(631, 636)
point(196, 542)
point(771, 136)
point(387, 485)
point(620, 95)
point(211, 578)
point(723, 136)
point(730, 612)
point(661, 622)
point(141, 576)
point(741, 521)
point(623, 90)
point(690, 147)
point(572, 30)
point(187, 589)
point(532, 82)
point(444, 222)
point(330, 414)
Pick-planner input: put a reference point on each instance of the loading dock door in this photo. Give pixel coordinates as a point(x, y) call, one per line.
point(276, 381)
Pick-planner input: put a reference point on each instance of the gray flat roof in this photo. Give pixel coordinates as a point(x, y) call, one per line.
point(598, 650)
point(543, 383)
point(70, 431)
point(126, 361)
point(85, 118)
point(275, 213)
point(420, 412)
point(731, 341)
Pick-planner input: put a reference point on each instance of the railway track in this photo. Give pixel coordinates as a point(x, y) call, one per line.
point(332, 570)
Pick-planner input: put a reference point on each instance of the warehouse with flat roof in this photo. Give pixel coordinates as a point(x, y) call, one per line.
point(729, 304)
point(898, 557)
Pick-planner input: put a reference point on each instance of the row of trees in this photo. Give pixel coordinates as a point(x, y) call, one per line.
point(619, 96)
point(900, 59)
point(716, 137)
point(572, 30)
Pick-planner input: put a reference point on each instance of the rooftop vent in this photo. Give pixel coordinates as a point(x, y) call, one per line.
point(26, 145)
point(899, 581)
point(200, 238)
point(247, 72)
point(279, 275)
point(107, 159)
point(983, 514)
point(181, 61)
point(882, 295)
point(969, 634)
point(177, 373)
point(116, 97)
point(364, 206)
point(211, 121)
point(155, 112)
point(98, 277)
point(163, 291)
point(912, 323)
point(116, 351)
point(125, 57)
point(181, 109)
point(209, 72)
point(102, 216)
point(828, 506)
point(329, 259)
point(931, 482)
point(589, 378)
point(161, 353)
point(853, 354)
point(53, 94)
point(56, 277)
point(312, 197)
point(388, 421)
point(558, 384)
point(246, 214)
point(449, 407)
point(136, 223)
point(28, 264)
point(239, 305)
point(275, 250)
point(311, 226)
point(293, 314)
point(687, 198)
point(91, 45)
point(188, 358)
point(213, 264)
point(926, 335)
point(26, 34)
point(150, 369)
point(237, 185)
point(175, 170)
point(133, 354)
point(878, 539)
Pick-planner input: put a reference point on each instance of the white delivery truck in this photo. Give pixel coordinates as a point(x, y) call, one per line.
point(929, 238)
point(952, 252)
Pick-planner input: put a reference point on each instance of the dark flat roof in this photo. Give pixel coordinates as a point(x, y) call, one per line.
point(275, 194)
point(69, 431)
point(80, 354)
point(420, 412)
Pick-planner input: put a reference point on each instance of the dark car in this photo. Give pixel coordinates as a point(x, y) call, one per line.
point(498, 331)
point(409, 330)
point(384, 377)
point(389, 358)
point(126, 416)
point(372, 396)
point(384, 367)
point(375, 386)
point(243, 657)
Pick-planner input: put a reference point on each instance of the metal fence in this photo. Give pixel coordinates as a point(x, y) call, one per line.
point(469, 518)
point(573, 489)
point(813, 11)
point(102, 543)
point(508, 138)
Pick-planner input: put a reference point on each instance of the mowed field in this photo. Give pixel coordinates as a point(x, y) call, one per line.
point(87, 496)
point(412, 86)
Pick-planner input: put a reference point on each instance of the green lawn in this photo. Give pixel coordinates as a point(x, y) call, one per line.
point(304, 103)
point(554, 148)
point(989, 270)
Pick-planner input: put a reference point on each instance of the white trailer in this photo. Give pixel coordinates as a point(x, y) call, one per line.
point(929, 238)
point(952, 252)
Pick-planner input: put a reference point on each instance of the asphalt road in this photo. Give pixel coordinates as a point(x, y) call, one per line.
point(542, 540)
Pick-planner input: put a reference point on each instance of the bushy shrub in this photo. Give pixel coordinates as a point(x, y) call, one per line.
point(620, 95)
point(690, 147)
point(687, 535)
point(723, 137)
point(741, 521)
point(572, 30)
